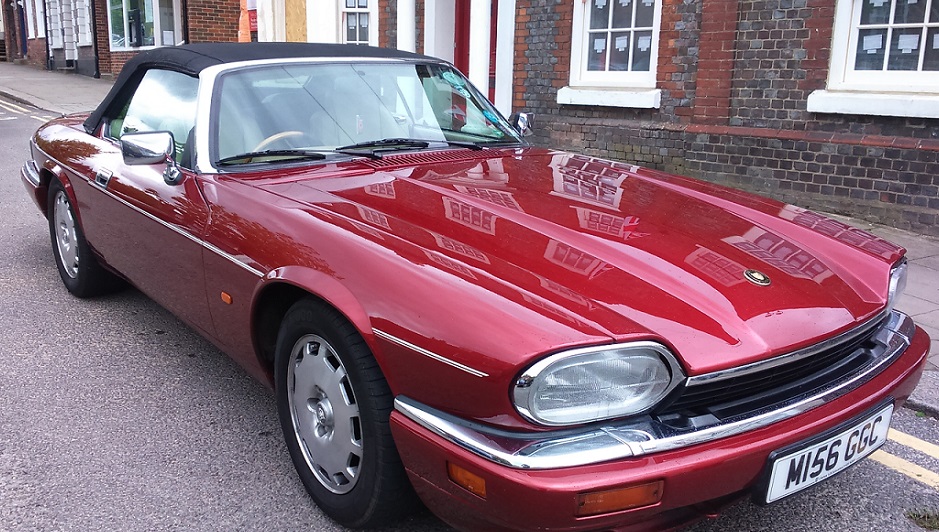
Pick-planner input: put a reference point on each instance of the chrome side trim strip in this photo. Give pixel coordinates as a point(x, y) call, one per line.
point(788, 357)
point(642, 436)
point(429, 354)
point(185, 234)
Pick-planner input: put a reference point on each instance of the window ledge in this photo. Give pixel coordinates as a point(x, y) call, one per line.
point(635, 98)
point(920, 105)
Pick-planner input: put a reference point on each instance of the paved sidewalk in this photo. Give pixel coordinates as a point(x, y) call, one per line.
point(70, 93)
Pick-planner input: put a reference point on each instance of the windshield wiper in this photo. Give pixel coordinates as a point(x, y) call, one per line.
point(245, 158)
point(386, 144)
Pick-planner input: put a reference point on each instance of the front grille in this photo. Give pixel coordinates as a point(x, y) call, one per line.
point(772, 382)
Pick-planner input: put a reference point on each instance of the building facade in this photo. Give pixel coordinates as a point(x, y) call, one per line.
point(833, 104)
point(96, 37)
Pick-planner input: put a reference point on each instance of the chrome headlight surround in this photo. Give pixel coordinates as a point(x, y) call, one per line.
point(897, 283)
point(596, 383)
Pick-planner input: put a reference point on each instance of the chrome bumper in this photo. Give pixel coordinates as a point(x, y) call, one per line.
point(630, 438)
point(30, 173)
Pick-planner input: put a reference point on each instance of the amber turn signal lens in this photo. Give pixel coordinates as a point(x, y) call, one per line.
point(226, 298)
point(602, 502)
point(471, 482)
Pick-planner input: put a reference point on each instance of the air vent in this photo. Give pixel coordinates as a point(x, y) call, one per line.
point(425, 157)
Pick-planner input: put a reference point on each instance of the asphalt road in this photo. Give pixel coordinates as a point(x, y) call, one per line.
point(116, 416)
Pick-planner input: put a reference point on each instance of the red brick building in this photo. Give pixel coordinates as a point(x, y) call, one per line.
point(828, 104)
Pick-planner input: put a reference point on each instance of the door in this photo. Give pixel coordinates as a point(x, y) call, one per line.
point(149, 230)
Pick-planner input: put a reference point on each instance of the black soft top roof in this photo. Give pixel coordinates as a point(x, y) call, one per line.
point(194, 58)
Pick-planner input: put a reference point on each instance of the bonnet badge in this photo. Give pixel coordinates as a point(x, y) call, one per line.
point(757, 277)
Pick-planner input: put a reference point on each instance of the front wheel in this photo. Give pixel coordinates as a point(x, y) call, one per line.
point(81, 273)
point(334, 406)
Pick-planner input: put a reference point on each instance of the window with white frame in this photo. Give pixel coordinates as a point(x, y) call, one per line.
point(357, 22)
point(614, 52)
point(35, 19)
point(884, 61)
point(144, 23)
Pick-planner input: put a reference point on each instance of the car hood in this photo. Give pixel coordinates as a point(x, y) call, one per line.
point(633, 253)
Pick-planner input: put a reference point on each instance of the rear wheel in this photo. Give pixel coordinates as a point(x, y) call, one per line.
point(77, 265)
point(334, 405)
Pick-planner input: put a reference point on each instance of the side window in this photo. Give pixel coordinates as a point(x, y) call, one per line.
point(163, 101)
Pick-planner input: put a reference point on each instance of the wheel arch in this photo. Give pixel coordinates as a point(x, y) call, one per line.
point(47, 173)
point(285, 286)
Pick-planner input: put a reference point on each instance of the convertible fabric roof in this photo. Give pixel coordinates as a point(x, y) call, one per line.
point(194, 58)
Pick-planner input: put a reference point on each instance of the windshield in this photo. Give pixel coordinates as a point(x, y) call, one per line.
point(330, 106)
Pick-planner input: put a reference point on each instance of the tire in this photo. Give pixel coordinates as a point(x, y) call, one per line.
point(81, 273)
point(334, 406)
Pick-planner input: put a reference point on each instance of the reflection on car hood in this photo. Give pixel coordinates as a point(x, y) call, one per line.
point(630, 251)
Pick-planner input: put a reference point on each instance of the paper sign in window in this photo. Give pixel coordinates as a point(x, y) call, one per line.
point(647, 2)
point(935, 42)
point(622, 42)
point(872, 43)
point(600, 4)
point(878, 3)
point(599, 45)
point(624, 3)
point(644, 43)
point(908, 43)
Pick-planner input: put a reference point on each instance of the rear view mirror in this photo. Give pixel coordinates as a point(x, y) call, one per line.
point(152, 147)
point(522, 122)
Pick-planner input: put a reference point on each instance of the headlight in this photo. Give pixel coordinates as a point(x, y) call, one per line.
point(897, 284)
point(596, 383)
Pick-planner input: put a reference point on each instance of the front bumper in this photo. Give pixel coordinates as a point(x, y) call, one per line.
point(29, 174)
point(533, 480)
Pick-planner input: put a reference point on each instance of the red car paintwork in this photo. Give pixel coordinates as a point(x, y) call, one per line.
point(492, 259)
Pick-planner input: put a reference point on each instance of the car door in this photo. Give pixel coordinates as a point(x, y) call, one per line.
point(147, 229)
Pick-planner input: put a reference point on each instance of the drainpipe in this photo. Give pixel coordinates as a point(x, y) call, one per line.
point(50, 64)
point(94, 36)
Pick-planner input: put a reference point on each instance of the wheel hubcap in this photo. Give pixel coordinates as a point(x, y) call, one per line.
point(324, 413)
point(66, 239)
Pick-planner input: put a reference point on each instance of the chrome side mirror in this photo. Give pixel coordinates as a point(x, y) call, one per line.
point(152, 147)
point(522, 122)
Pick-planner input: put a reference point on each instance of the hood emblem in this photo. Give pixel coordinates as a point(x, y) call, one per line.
point(757, 277)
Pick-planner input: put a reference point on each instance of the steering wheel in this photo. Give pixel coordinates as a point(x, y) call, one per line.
point(275, 137)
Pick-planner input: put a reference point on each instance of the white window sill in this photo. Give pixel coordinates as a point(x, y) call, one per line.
point(874, 103)
point(635, 98)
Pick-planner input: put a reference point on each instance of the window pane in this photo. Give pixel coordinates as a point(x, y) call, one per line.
point(118, 34)
point(645, 12)
point(363, 3)
point(622, 13)
point(167, 22)
point(363, 27)
point(875, 11)
point(910, 12)
point(870, 50)
point(350, 4)
point(351, 26)
point(599, 14)
point(934, 11)
point(596, 54)
point(904, 49)
point(931, 58)
point(619, 55)
point(642, 51)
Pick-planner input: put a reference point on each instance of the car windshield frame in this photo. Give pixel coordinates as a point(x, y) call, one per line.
point(338, 103)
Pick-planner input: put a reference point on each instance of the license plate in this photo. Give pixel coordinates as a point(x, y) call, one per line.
point(813, 461)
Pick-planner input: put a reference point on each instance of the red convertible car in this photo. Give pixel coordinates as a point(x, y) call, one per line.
point(521, 338)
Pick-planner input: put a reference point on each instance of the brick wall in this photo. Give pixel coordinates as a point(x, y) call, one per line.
point(213, 20)
point(735, 76)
